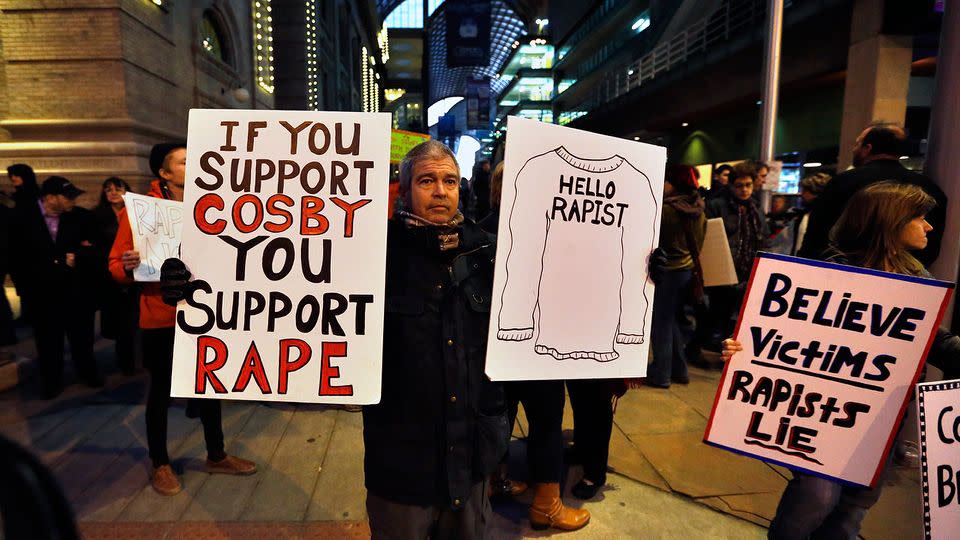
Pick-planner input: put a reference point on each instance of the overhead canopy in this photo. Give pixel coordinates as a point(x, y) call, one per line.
point(506, 26)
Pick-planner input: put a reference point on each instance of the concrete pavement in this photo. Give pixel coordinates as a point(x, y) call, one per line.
point(665, 482)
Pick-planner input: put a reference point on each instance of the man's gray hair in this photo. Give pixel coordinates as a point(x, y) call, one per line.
point(431, 149)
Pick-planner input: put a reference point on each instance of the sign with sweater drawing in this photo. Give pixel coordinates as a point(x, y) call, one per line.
point(580, 216)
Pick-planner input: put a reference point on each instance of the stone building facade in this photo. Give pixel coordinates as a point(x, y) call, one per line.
point(87, 86)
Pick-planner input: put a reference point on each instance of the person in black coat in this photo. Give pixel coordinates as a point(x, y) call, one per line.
point(26, 206)
point(440, 428)
point(875, 159)
point(7, 334)
point(117, 302)
point(54, 269)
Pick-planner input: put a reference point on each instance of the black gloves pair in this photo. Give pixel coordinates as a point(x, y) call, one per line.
point(656, 264)
point(174, 281)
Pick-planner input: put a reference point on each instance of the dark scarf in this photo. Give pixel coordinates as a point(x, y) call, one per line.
point(748, 236)
point(447, 233)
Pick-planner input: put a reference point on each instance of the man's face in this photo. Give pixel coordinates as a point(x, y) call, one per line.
point(742, 188)
point(175, 167)
point(434, 190)
point(860, 153)
point(722, 177)
point(762, 173)
point(57, 204)
point(16, 180)
point(66, 203)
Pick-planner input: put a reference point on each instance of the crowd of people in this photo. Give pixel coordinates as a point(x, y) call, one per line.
point(434, 457)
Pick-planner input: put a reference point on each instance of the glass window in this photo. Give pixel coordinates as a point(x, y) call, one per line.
point(211, 38)
point(410, 14)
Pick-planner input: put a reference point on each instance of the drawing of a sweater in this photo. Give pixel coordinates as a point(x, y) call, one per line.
point(580, 231)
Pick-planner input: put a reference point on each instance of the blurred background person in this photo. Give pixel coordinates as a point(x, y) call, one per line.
point(117, 301)
point(747, 232)
point(682, 229)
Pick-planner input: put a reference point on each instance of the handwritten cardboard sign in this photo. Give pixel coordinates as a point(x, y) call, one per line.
point(715, 257)
point(286, 241)
point(156, 225)
point(939, 405)
point(830, 355)
point(581, 214)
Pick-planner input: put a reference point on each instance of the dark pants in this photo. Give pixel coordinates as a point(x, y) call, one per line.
point(395, 521)
point(666, 339)
point(722, 316)
point(118, 321)
point(543, 404)
point(820, 509)
point(55, 317)
point(158, 359)
point(592, 403)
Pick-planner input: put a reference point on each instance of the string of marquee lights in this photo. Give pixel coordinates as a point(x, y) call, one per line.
point(313, 87)
point(263, 43)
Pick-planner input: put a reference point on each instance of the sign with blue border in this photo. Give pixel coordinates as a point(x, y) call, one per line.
point(939, 408)
point(830, 354)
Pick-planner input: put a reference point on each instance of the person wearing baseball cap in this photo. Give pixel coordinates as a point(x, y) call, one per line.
point(168, 162)
point(54, 265)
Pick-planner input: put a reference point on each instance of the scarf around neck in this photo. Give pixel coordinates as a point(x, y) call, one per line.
point(446, 232)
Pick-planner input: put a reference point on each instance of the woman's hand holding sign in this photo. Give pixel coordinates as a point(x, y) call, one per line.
point(730, 347)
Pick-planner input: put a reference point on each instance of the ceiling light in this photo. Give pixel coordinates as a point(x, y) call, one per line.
point(811, 164)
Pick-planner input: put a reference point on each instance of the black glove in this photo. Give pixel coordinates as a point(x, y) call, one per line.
point(655, 266)
point(174, 281)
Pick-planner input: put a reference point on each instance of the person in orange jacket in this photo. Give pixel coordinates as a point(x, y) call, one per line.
point(168, 163)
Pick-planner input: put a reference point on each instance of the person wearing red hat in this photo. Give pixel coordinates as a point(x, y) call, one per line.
point(168, 162)
point(54, 261)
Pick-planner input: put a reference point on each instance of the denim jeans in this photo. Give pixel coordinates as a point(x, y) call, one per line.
point(821, 509)
point(666, 341)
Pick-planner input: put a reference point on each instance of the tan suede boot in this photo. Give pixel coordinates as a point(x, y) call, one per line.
point(548, 510)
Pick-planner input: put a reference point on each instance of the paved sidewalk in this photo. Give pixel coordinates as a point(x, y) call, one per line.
point(665, 484)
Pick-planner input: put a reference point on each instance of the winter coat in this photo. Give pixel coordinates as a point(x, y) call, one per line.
point(440, 426)
point(153, 312)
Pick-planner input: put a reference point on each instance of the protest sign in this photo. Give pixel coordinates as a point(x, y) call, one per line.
point(939, 406)
point(286, 241)
point(581, 214)
point(402, 142)
point(156, 225)
point(715, 257)
point(830, 353)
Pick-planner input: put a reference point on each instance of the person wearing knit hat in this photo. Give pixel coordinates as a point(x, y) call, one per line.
point(168, 162)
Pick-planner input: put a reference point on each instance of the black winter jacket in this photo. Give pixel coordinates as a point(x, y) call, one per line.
point(440, 425)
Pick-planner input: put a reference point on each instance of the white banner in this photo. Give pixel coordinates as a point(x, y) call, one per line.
point(939, 404)
point(830, 355)
point(156, 225)
point(286, 241)
point(581, 214)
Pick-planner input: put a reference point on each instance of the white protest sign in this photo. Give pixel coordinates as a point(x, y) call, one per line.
point(830, 353)
point(715, 257)
point(156, 225)
point(581, 214)
point(286, 239)
point(939, 405)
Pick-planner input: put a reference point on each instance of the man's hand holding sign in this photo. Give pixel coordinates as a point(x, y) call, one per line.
point(821, 366)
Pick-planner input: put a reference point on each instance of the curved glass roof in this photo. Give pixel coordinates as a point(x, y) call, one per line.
point(506, 26)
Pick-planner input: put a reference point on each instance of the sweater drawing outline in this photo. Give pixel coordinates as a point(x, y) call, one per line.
point(629, 294)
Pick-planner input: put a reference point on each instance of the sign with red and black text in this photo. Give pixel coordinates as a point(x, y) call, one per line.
point(285, 236)
point(830, 355)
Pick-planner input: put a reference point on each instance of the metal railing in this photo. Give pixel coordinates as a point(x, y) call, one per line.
point(729, 20)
